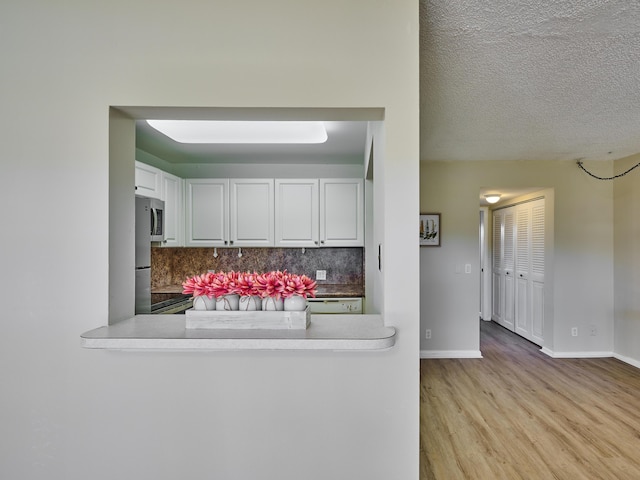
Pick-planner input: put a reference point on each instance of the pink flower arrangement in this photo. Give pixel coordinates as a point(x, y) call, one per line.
point(284, 285)
point(198, 285)
point(278, 284)
point(271, 284)
point(247, 284)
point(224, 284)
point(299, 285)
point(211, 284)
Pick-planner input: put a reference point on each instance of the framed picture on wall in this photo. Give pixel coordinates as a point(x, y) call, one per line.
point(429, 229)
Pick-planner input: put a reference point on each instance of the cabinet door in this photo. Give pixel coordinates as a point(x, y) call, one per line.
point(251, 212)
point(148, 181)
point(174, 210)
point(297, 213)
point(207, 217)
point(341, 212)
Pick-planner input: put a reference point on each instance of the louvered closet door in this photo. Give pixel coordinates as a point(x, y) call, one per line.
point(537, 271)
point(508, 262)
point(497, 285)
point(518, 269)
point(522, 277)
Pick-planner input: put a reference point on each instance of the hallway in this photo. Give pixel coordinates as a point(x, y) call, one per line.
point(519, 414)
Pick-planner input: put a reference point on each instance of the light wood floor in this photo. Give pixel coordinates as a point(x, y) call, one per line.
point(519, 414)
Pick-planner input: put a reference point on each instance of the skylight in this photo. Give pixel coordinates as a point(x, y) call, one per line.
point(215, 131)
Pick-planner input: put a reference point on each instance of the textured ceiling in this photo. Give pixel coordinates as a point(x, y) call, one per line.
point(501, 80)
point(537, 80)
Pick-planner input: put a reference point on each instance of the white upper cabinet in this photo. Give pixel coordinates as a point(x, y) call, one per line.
point(251, 212)
point(207, 212)
point(148, 181)
point(297, 218)
point(341, 212)
point(172, 187)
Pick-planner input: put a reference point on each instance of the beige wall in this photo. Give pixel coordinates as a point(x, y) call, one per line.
point(627, 261)
point(580, 269)
point(70, 413)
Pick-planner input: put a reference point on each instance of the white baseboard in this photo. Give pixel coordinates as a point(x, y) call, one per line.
point(450, 354)
point(553, 354)
point(478, 354)
point(629, 360)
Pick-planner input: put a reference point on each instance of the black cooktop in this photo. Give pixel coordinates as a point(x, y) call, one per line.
point(163, 300)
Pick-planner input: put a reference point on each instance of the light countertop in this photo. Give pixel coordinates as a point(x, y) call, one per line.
point(322, 290)
point(168, 332)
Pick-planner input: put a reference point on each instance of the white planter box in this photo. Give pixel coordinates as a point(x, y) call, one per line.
point(258, 320)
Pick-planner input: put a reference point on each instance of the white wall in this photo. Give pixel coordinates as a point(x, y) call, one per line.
point(581, 271)
point(70, 413)
point(627, 261)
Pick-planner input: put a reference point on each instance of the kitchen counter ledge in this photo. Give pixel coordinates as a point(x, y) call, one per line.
point(168, 332)
point(323, 290)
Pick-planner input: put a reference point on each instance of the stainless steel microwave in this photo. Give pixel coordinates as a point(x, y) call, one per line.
point(157, 220)
point(156, 212)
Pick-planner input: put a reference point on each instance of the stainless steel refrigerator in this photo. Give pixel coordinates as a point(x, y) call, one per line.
point(143, 253)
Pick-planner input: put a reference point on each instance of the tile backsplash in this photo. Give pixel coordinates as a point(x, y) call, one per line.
point(171, 266)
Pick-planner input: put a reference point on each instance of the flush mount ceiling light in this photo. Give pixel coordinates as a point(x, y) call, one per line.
point(214, 131)
point(492, 198)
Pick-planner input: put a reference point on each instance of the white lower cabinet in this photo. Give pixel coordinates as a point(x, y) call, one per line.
point(207, 212)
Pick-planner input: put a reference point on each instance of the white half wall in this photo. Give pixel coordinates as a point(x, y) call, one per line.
point(69, 413)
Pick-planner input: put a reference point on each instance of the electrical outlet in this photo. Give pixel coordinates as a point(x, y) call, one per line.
point(574, 332)
point(467, 268)
point(321, 274)
point(427, 333)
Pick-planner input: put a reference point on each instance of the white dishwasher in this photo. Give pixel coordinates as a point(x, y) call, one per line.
point(349, 305)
